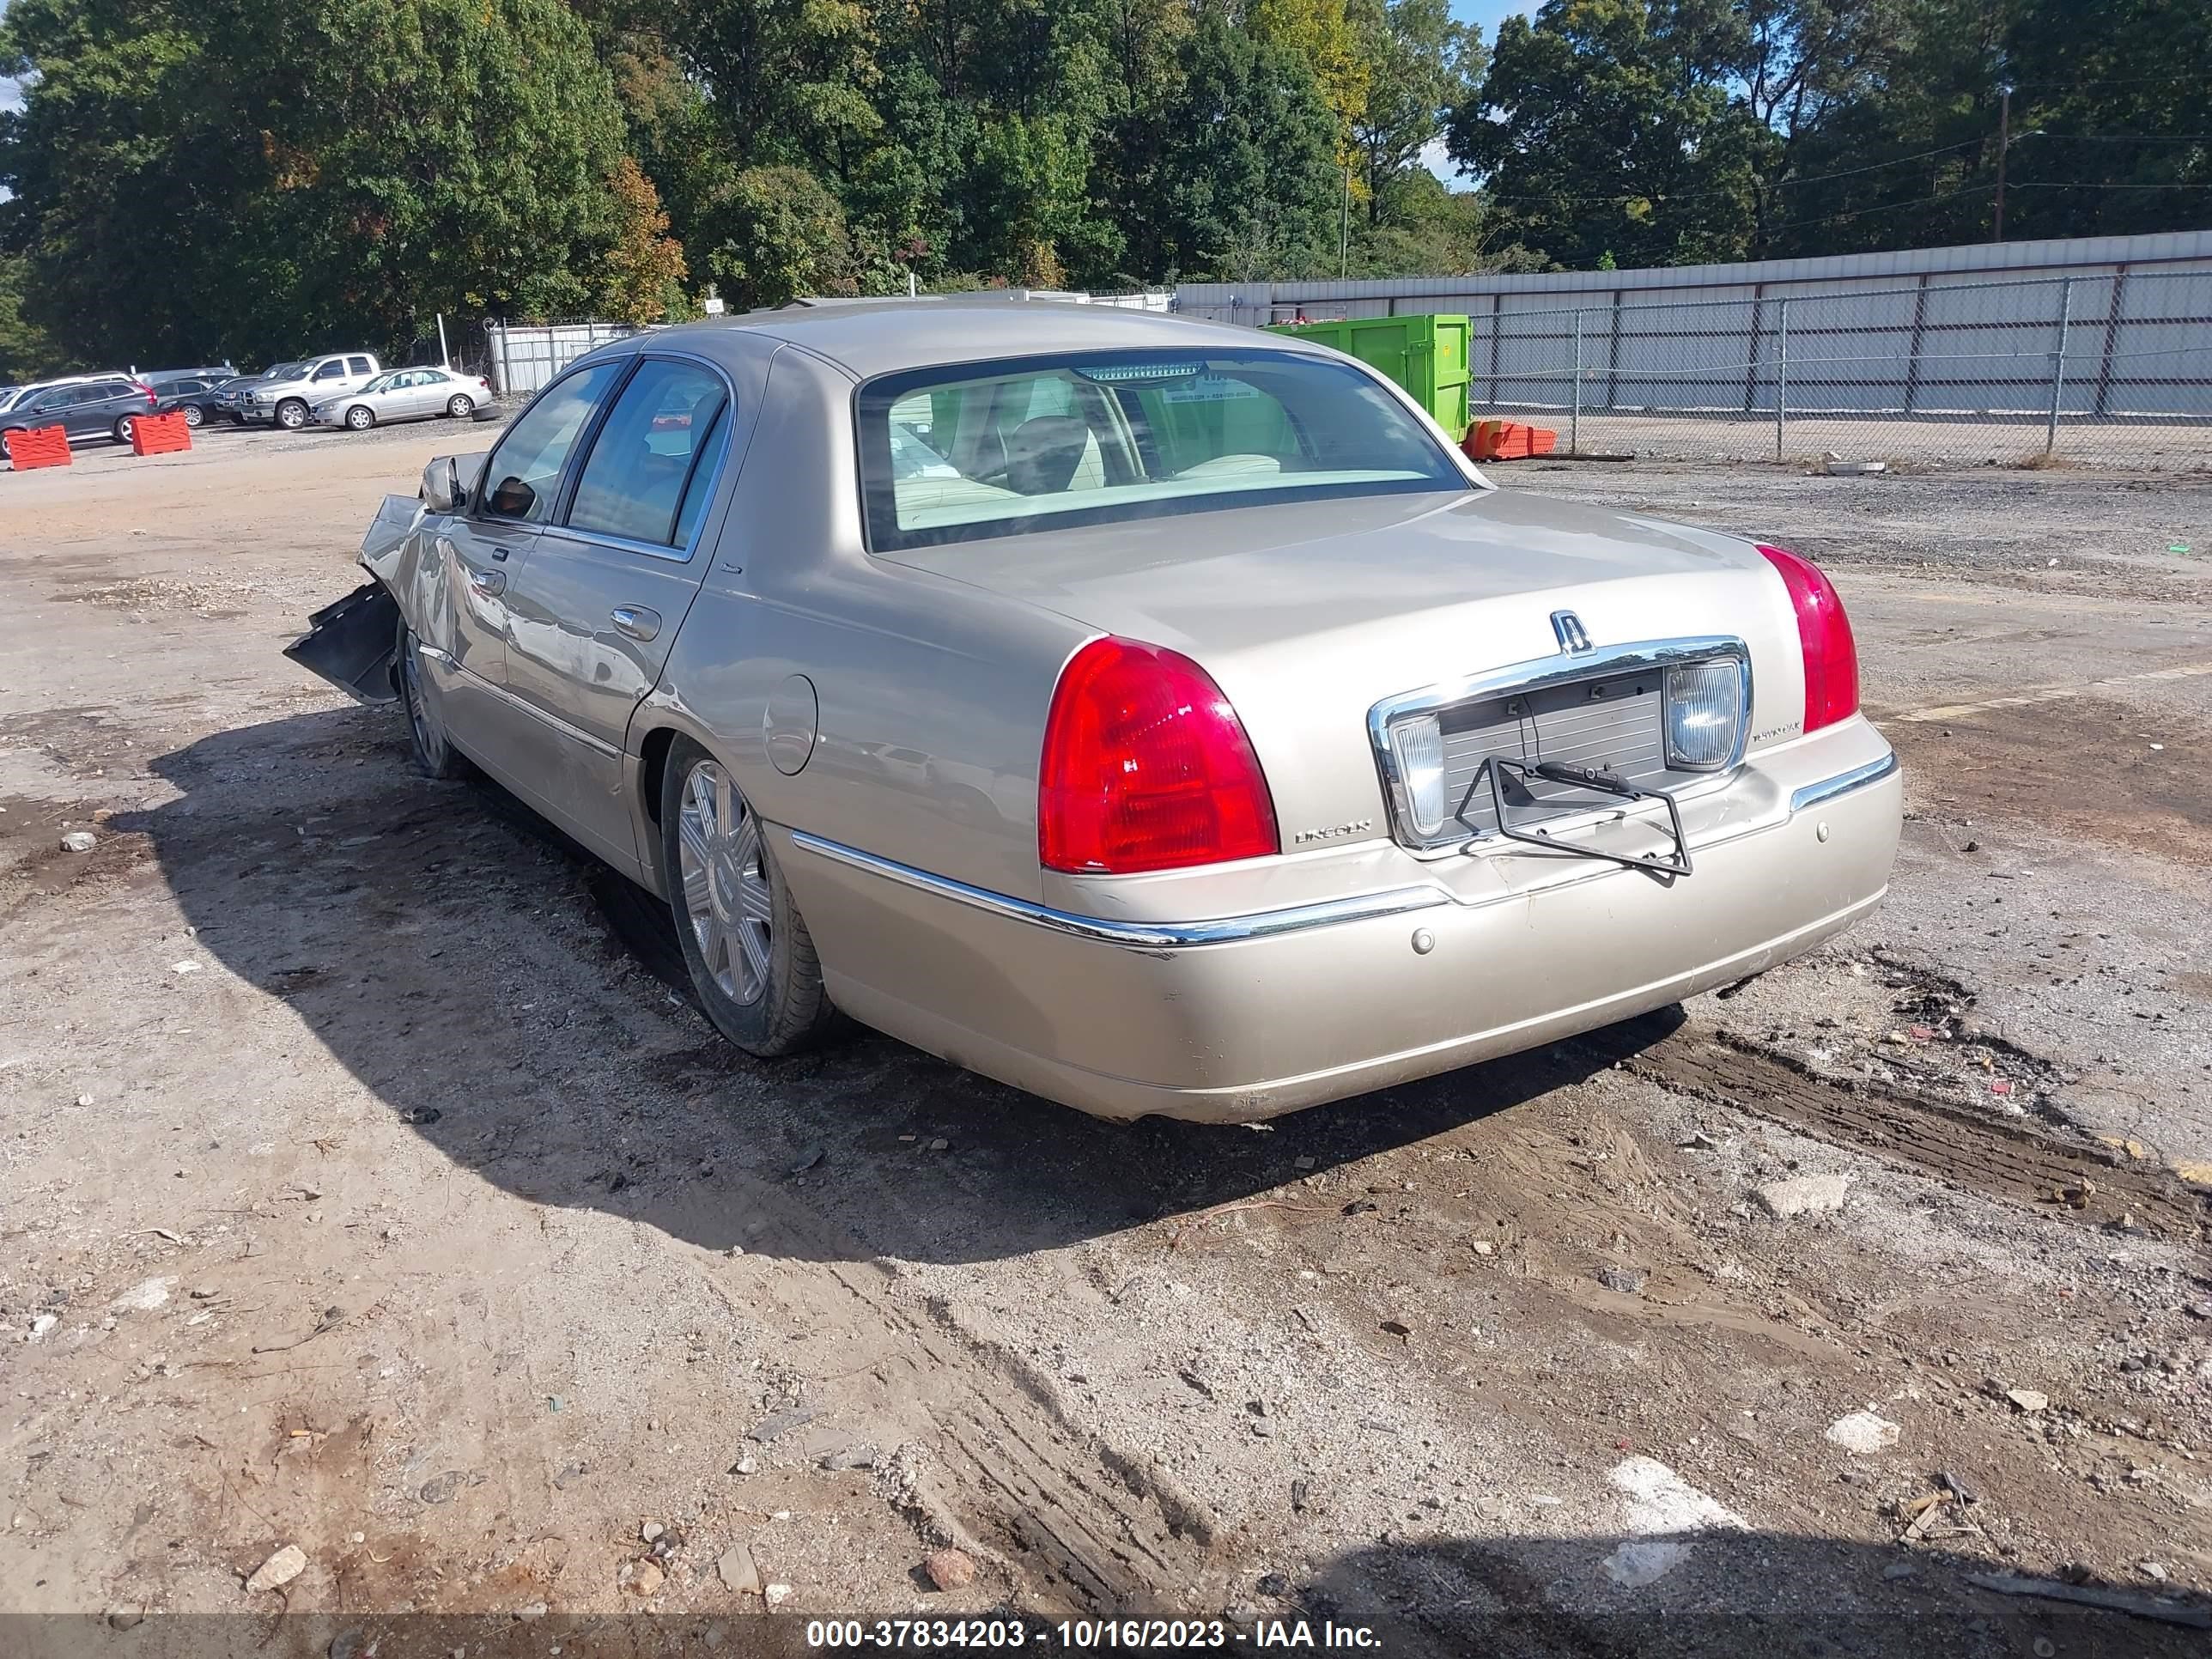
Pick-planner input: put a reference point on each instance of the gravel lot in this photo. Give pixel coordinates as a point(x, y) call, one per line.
point(367, 1185)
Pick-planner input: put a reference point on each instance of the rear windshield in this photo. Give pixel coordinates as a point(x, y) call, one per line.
point(962, 453)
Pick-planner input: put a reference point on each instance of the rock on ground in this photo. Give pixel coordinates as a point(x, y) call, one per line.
point(1803, 1194)
point(1863, 1432)
point(279, 1570)
point(950, 1570)
point(739, 1571)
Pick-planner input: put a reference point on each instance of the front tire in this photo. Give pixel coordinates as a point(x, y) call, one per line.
point(291, 415)
point(460, 406)
point(193, 417)
point(359, 418)
point(751, 960)
point(432, 749)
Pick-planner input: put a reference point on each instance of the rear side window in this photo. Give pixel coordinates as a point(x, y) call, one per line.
point(645, 478)
point(357, 365)
point(526, 468)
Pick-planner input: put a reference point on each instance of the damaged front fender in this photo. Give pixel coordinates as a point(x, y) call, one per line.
point(350, 643)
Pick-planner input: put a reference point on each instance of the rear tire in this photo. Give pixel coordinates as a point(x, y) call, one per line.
point(751, 961)
point(432, 749)
point(123, 429)
point(460, 406)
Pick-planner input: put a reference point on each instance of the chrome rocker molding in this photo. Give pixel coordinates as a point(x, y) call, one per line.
point(1844, 782)
point(1142, 935)
point(1229, 930)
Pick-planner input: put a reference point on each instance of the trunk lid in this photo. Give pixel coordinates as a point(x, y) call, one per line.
point(1308, 615)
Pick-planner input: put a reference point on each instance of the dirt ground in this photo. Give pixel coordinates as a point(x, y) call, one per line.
point(368, 1186)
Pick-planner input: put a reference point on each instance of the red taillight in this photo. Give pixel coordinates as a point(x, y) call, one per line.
point(150, 397)
point(1146, 767)
point(1832, 655)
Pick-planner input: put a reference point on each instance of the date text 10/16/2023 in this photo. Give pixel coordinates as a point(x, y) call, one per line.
point(1080, 1635)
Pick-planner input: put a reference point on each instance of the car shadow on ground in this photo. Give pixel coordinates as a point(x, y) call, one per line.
point(1722, 1592)
point(524, 1010)
point(1711, 1595)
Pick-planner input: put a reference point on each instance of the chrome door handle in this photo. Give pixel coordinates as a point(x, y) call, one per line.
point(489, 583)
point(635, 621)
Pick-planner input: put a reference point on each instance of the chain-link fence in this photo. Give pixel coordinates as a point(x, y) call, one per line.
point(2106, 370)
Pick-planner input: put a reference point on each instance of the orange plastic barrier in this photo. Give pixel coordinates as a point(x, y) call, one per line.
point(160, 435)
point(46, 446)
point(1508, 440)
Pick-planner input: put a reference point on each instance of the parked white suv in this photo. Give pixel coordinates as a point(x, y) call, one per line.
point(287, 393)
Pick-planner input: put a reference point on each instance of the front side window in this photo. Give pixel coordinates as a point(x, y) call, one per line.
point(657, 448)
point(525, 469)
point(981, 450)
point(332, 370)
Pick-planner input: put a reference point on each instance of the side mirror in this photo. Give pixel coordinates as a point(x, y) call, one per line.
point(442, 486)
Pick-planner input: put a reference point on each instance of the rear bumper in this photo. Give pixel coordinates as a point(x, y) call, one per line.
point(1244, 1018)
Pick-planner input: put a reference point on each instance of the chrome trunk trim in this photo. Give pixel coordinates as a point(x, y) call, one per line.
point(1843, 783)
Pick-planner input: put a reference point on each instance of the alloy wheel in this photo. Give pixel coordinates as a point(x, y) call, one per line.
point(727, 897)
point(429, 732)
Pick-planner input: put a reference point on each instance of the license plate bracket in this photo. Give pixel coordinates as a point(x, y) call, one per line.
point(1601, 781)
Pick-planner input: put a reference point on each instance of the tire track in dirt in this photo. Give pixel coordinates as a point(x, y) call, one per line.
point(1083, 1525)
point(2008, 1160)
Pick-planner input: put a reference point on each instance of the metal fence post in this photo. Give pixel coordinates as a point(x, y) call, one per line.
point(1574, 420)
point(1781, 374)
point(2058, 363)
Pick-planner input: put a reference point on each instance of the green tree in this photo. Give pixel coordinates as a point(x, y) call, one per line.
point(1610, 124)
point(252, 176)
point(777, 235)
point(25, 352)
point(1426, 229)
point(1247, 184)
point(1422, 65)
point(641, 278)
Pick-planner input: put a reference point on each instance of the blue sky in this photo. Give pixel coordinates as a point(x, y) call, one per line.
point(1487, 12)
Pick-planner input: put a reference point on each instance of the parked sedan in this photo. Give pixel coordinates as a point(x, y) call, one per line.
point(194, 393)
point(405, 394)
point(1160, 717)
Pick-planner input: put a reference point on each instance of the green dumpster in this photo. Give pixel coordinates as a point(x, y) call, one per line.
point(1427, 356)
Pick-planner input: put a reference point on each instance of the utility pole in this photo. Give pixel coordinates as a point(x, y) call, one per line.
point(1344, 230)
point(2004, 144)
